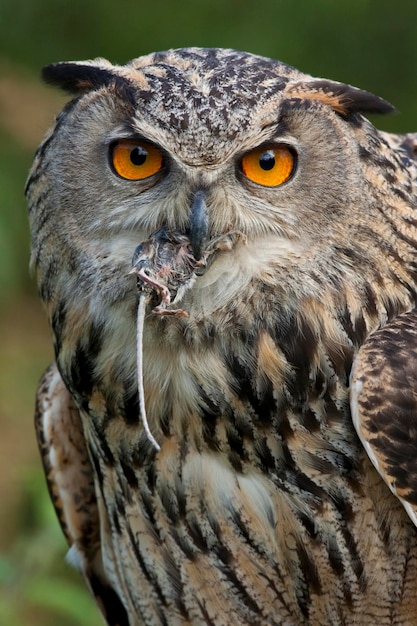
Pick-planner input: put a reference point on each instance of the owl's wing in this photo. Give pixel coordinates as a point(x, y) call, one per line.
point(384, 405)
point(70, 481)
point(405, 145)
point(408, 142)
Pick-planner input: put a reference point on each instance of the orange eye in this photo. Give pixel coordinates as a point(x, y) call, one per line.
point(136, 160)
point(269, 166)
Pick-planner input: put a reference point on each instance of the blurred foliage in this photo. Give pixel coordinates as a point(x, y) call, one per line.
point(368, 43)
point(13, 230)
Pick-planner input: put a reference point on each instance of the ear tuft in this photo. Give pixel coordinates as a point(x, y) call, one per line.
point(78, 77)
point(344, 99)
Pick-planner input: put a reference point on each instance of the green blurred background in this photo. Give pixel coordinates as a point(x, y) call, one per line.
point(369, 43)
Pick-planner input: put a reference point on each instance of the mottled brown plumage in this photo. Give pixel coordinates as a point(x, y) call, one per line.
point(281, 388)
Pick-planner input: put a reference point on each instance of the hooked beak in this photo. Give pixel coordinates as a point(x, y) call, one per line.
point(198, 224)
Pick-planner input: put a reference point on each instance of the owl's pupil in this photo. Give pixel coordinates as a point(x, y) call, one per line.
point(267, 160)
point(138, 155)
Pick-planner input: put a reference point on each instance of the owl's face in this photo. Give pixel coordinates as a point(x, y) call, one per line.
point(275, 153)
point(285, 160)
point(286, 169)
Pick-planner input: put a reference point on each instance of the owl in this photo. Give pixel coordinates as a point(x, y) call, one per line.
point(226, 249)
